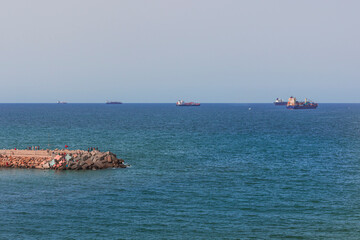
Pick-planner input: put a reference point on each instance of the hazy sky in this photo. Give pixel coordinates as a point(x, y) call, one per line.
point(165, 50)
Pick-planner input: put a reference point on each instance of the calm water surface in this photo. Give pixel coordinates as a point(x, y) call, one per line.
point(218, 171)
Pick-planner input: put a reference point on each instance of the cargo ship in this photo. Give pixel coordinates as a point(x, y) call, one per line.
point(61, 102)
point(279, 102)
point(187, 104)
point(294, 104)
point(111, 102)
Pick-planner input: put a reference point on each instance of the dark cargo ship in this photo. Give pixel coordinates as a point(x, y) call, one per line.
point(307, 104)
point(110, 102)
point(279, 102)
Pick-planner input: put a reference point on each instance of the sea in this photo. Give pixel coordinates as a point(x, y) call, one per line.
point(218, 171)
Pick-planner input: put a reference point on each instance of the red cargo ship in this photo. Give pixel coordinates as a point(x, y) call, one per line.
point(293, 104)
point(187, 104)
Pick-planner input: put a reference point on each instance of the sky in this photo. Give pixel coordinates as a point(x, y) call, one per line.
point(159, 51)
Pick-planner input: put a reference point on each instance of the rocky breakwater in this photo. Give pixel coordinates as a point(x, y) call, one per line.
point(60, 160)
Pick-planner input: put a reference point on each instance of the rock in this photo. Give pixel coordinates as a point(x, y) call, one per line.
point(113, 157)
point(80, 160)
point(78, 167)
point(102, 156)
point(99, 165)
point(108, 165)
point(62, 168)
point(70, 164)
point(94, 159)
point(89, 162)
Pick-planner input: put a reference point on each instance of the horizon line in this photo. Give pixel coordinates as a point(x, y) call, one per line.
point(163, 103)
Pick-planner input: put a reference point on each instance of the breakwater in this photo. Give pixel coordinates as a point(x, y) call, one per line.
point(60, 159)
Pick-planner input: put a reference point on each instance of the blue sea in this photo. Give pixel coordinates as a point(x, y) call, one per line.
point(218, 171)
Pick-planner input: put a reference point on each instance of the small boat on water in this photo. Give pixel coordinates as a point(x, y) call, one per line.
point(112, 102)
point(279, 102)
point(181, 103)
point(307, 104)
point(61, 102)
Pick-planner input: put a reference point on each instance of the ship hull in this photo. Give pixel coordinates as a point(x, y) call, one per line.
point(280, 103)
point(187, 105)
point(302, 107)
point(114, 103)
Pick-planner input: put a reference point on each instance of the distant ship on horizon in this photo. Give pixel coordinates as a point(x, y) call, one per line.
point(113, 102)
point(187, 104)
point(61, 102)
point(279, 102)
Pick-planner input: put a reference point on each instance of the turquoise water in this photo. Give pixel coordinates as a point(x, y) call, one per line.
point(218, 171)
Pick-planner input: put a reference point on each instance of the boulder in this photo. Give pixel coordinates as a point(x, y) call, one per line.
point(62, 167)
point(94, 159)
point(102, 156)
point(99, 165)
point(70, 164)
point(46, 166)
point(108, 165)
point(89, 162)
